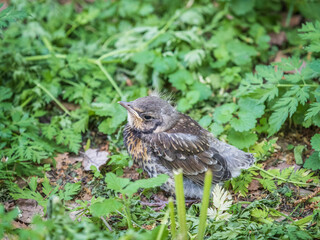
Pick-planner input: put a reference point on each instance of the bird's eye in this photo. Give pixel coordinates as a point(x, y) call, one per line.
point(147, 117)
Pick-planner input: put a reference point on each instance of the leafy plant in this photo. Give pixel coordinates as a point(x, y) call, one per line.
point(67, 193)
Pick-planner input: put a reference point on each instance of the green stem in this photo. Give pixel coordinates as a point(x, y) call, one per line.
point(44, 57)
point(26, 102)
point(163, 226)
point(47, 44)
point(172, 218)
point(128, 212)
point(205, 204)
point(289, 16)
point(303, 221)
point(113, 83)
point(282, 179)
point(300, 85)
point(131, 219)
point(53, 98)
point(181, 208)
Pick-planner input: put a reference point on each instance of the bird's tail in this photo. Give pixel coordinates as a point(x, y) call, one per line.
point(235, 158)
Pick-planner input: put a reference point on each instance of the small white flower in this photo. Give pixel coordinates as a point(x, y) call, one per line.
point(221, 203)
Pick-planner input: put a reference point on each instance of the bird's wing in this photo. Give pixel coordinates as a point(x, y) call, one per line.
point(189, 148)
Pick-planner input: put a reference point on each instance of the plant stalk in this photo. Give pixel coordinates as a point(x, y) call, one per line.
point(172, 218)
point(53, 98)
point(205, 204)
point(181, 208)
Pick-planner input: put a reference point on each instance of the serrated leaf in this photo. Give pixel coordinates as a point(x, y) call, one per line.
point(5, 93)
point(242, 139)
point(244, 122)
point(241, 52)
point(104, 208)
point(180, 79)
point(313, 110)
point(313, 162)
point(194, 58)
point(145, 183)
point(241, 7)
point(70, 189)
point(250, 110)
point(289, 64)
point(205, 121)
point(216, 129)
point(276, 120)
point(33, 183)
point(315, 142)
point(223, 114)
point(269, 73)
point(166, 64)
point(116, 183)
point(192, 17)
point(143, 57)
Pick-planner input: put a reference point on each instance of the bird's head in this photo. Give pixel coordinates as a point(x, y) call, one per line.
point(150, 114)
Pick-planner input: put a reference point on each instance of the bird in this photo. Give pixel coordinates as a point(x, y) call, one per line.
point(162, 140)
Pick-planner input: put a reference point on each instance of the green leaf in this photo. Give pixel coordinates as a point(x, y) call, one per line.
point(242, 139)
point(194, 58)
point(315, 66)
point(166, 64)
point(315, 142)
point(298, 154)
point(186, 103)
point(313, 110)
point(289, 64)
point(203, 89)
point(143, 57)
point(104, 208)
point(269, 73)
point(223, 114)
point(241, 7)
point(216, 129)
point(192, 17)
point(145, 184)
point(180, 79)
point(313, 162)
point(116, 183)
point(205, 121)
point(250, 110)
point(33, 183)
point(70, 189)
point(5, 93)
point(241, 52)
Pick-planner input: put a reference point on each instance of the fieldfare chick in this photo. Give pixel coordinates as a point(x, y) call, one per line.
point(160, 139)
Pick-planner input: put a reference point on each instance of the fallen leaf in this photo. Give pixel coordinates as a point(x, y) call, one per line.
point(94, 157)
point(28, 208)
point(295, 20)
point(278, 38)
point(254, 185)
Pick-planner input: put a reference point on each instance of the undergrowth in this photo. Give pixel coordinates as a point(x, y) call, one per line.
point(64, 67)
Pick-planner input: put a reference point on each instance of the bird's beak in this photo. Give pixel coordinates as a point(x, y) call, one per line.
point(127, 106)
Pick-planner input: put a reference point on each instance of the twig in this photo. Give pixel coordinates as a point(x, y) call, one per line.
point(106, 223)
point(304, 199)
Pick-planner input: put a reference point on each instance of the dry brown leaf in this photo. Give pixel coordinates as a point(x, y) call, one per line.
point(28, 208)
point(278, 38)
point(254, 185)
point(94, 157)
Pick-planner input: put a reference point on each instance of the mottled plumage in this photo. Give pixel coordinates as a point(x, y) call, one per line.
point(160, 139)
